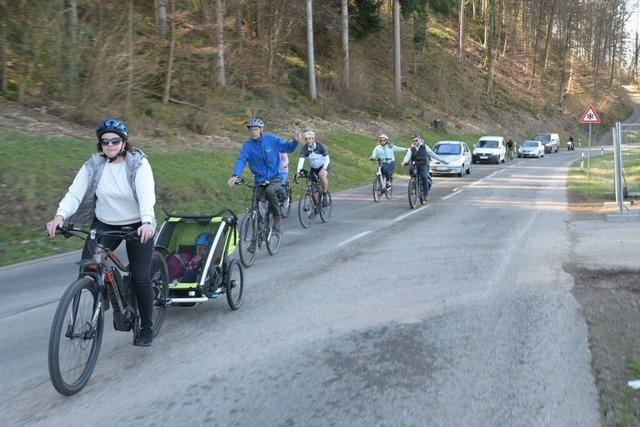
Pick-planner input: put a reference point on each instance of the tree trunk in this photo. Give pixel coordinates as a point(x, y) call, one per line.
point(73, 53)
point(240, 36)
point(130, 66)
point(513, 29)
point(4, 71)
point(396, 52)
point(220, 31)
point(548, 39)
point(566, 50)
point(485, 23)
point(162, 18)
point(172, 49)
point(345, 44)
point(461, 35)
point(616, 39)
point(535, 45)
point(635, 58)
point(310, 53)
point(258, 21)
point(490, 42)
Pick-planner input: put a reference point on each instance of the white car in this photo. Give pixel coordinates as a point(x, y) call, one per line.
point(456, 154)
point(531, 148)
point(489, 149)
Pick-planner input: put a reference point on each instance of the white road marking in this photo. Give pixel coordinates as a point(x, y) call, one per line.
point(354, 238)
point(451, 195)
point(401, 217)
point(483, 179)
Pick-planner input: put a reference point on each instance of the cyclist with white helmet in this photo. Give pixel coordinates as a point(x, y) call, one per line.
point(262, 153)
point(115, 189)
point(385, 152)
point(318, 159)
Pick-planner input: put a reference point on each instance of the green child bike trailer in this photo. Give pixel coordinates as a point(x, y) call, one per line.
point(219, 272)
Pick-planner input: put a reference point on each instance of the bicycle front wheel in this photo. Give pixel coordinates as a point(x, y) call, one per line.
point(412, 190)
point(74, 343)
point(248, 240)
point(325, 206)
point(160, 287)
point(234, 284)
point(273, 237)
point(377, 189)
point(305, 209)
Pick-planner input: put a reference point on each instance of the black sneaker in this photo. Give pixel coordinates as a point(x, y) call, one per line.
point(145, 338)
point(277, 225)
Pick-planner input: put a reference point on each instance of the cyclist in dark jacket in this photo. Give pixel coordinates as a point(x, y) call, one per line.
point(421, 153)
point(262, 153)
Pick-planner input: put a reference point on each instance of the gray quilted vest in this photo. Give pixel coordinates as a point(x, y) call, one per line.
point(95, 165)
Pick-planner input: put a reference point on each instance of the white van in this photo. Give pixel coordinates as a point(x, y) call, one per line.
point(489, 149)
point(551, 141)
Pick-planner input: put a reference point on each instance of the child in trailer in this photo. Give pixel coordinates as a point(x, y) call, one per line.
point(187, 269)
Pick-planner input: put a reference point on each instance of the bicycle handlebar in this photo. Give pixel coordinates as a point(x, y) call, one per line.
point(127, 233)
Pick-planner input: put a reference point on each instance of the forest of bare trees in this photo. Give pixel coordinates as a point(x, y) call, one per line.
point(79, 53)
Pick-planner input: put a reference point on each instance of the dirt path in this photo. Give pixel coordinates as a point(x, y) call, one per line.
point(634, 96)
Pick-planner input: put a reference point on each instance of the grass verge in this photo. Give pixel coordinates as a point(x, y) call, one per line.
point(629, 414)
point(598, 185)
point(36, 171)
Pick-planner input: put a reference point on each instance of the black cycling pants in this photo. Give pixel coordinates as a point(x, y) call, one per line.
point(139, 255)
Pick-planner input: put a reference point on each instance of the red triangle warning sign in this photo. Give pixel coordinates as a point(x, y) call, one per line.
point(590, 116)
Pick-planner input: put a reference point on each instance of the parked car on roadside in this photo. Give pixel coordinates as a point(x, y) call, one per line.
point(531, 148)
point(456, 154)
point(551, 141)
point(490, 149)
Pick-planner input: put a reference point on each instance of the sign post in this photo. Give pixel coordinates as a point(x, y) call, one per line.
point(590, 117)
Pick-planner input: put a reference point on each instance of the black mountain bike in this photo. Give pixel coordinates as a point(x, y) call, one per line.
point(76, 332)
point(313, 201)
point(256, 228)
point(380, 185)
point(414, 189)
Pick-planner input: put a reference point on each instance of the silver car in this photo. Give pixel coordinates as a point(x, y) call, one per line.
point(456, 154)
point(531, 148)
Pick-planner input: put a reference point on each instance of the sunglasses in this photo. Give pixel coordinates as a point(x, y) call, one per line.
point(112, 141)
point(416, 140)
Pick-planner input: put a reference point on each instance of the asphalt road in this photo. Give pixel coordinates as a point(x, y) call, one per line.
point(458, 313)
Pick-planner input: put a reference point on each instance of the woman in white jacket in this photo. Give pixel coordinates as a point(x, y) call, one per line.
point(115, 189)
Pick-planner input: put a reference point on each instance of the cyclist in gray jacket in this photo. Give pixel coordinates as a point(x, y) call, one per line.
point(115, 189)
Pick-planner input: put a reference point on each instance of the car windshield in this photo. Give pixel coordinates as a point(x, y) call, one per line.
point(447, 149)
point(487, 144)
point(544, 137)
point(531, 143)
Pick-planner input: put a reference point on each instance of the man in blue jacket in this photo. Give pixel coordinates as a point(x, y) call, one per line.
point(262, 152)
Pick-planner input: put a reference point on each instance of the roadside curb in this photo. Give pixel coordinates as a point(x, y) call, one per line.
point(38, 260)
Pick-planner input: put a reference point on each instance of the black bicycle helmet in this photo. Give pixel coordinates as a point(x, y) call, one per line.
point(115, 126)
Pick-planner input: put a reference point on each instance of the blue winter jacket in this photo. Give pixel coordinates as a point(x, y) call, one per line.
point(263, 156)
